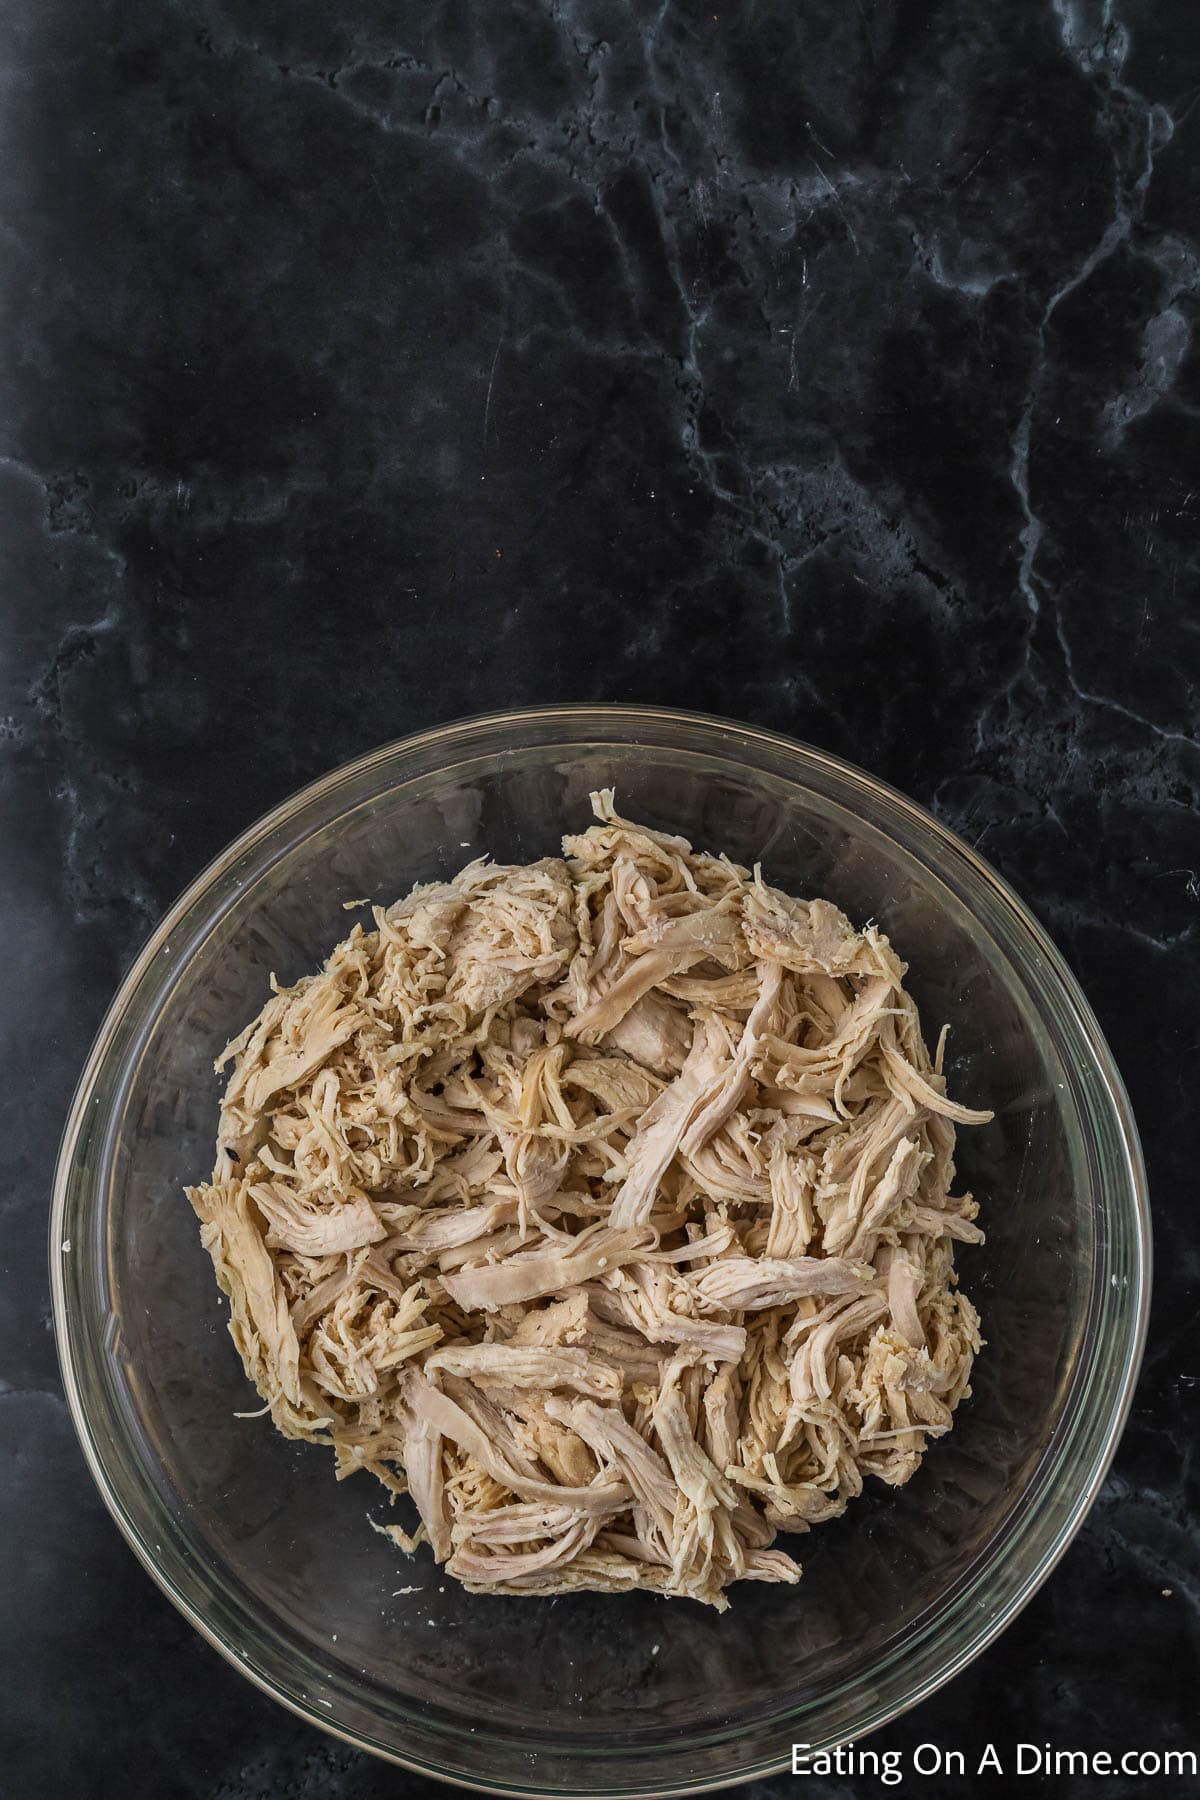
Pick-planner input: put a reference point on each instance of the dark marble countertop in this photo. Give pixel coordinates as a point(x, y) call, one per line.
point(829, 364)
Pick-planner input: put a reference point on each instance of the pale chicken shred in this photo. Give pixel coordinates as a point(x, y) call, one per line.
point(604, 1206)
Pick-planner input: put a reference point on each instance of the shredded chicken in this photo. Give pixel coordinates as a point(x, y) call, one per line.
point(603, 1205)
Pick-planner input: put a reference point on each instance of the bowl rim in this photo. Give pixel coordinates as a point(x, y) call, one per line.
point(603, 717)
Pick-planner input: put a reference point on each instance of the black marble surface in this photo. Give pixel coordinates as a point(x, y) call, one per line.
point(825, 363)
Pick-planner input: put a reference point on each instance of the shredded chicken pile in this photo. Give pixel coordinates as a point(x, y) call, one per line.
point(603, 1205)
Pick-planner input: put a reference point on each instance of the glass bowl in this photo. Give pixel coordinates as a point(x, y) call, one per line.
point(276, 1563)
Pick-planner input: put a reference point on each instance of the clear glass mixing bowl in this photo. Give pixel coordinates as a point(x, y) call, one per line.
point(276, 1563)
